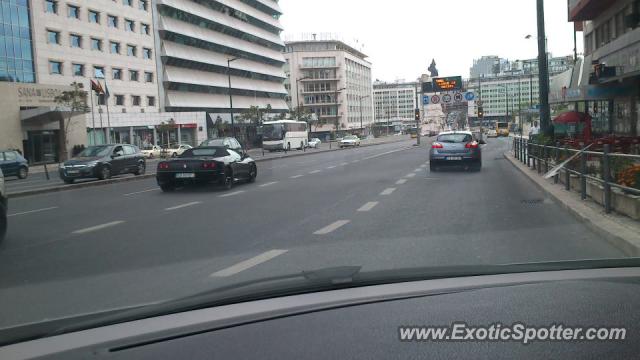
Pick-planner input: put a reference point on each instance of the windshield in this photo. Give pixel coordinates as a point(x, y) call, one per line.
point(384, 136)
point(95, 151)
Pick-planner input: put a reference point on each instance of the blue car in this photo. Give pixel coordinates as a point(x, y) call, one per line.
point(455, 148)
point(13, 164)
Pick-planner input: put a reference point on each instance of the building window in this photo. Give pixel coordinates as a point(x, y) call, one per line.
point(133, 75)
point(53, 37)
point(96, 44)
point(114, 47)
point(78, 70)
point(51, 6)
point(116, 73)
point(75, 41)
point(94, 17)
point(73, 11)
point(131, 50)
point(144, 29)
point(148, 76)
point(127, 2)
point(146, 53)
point(98, 72)
point(55, 67)
point(151, 101)
point(112, 21)
point(129, 25)
point(102, 99)
point(120, 100)
point(135, 100)
point(143, 5)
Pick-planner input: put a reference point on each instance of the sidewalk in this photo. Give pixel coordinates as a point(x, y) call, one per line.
point(619, 230)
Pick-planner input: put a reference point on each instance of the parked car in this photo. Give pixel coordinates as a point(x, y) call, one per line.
point(492, 133)
point(177, 149)
point(102, 162)
point(455, 148)
point(350, 141)
point(204, 165)
point(314, 143)
point(13, 164)
point(3, 207)
point(152, 151)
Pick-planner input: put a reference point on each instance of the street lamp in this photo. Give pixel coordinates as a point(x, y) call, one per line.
point(360, 99)
point(233, 127)
point(338, 107)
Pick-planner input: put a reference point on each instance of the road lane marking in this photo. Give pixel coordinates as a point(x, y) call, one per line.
point(314, 172)
point(355, 161)
point(382, 154)
point(423, 165)
point(98, 227)
point(368, 206)
point(418, 170)
point(183, 206)
point(248, 264)
point(401, 182)
point(344, 164)
point(269, 184)
point(332, 227)
point(296, 176)
point(33, 211)
point(142, 192)
point(388, 191)
point(410, 175)
point(331, 167)
point(232, 194)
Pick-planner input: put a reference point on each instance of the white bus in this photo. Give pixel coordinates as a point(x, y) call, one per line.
point(284, 135)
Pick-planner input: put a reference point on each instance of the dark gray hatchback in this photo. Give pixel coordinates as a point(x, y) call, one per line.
point(103, 161)
point(455, 148)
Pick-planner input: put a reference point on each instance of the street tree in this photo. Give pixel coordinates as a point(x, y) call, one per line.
point(71, 102)
point(165, 128)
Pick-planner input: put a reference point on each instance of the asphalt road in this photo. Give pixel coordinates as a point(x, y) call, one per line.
point(378, 207)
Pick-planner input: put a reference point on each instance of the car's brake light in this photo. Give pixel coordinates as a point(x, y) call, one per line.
point(472, 145)
point(437, 146)
point(163, 166)
point(208, 165)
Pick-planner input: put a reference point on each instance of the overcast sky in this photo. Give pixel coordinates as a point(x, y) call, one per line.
point(402, 36)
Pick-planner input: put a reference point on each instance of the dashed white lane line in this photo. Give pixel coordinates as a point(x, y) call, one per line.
point(410, 175)
point(368, 206)
point(269, 184)
point(401, 182)
point(382, 154)
point(98, 227)
point(344, 164)
point(232, 194)
point(355, 161)
point(296, 176)
point(388, 191)
point(423, 165)
point(33, 211)
point(331, 167)
point(142, 192)
point(248, 264)
point(332, 227)
point(314, 172)
point(418, 170)
point(183, 206)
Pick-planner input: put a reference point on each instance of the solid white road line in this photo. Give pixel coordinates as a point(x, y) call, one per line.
point(269, 184)
point(314, 172)
point(97, 227)
point(368, 206)
point(296, 176)
point(410, 175)
point(33, 211)
point(232, 194)
point(248, 264)
point(142, 192)
point(332, 227)
point(388, 191)
point(183, 206)
point(401, 182)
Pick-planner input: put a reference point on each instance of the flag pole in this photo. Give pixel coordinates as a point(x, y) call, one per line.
point(107, 96)
point(93, 116)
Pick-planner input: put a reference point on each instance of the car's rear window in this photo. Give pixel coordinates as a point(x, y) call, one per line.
point(213, 152)
point(454, 138)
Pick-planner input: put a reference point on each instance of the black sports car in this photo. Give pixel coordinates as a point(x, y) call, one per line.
point(209, 164)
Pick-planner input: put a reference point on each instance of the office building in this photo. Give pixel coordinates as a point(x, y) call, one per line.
point(395, 103)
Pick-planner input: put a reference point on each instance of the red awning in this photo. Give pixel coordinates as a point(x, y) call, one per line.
point(570, 117)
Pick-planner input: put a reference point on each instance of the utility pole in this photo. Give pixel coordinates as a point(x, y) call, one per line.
point(233, 128)
point(417, 114)
point(543, 75)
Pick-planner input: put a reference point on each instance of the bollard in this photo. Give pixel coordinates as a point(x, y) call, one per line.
point(583, 175)
point(606, 176)
point(567, 174)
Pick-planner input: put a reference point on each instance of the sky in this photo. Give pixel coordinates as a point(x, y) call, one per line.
point(402, 36)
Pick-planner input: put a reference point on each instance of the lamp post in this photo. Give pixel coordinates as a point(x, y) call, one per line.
point(338, 108)
point(233, 127)
point(360, 98)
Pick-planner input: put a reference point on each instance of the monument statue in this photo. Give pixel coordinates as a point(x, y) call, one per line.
point(432, 68)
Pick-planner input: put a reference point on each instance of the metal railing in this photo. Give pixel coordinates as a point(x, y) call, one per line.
point(601, 167)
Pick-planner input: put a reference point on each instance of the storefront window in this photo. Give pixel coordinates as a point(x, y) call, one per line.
point(622, 116)
point(599, 111)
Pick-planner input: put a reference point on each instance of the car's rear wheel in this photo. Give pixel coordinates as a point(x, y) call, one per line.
point(227, 182)
point(169, 187)
point(253, 174)
point(105, 173)
point(477, 166)
point(288, 146)
point(23, 173)
point(140, 170)
point(174, 155)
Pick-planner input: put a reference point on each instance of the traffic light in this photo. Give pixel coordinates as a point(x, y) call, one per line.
point(417, 114)
point(480, 112)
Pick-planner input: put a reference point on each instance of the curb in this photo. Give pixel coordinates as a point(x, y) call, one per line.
point(622, 237)
point(149, 176)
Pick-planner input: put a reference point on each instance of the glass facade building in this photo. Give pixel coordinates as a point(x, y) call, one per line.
point(16, 50)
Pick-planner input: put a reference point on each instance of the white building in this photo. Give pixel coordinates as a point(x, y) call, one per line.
point(198, 38)
point(394, 102)
point(333, 80)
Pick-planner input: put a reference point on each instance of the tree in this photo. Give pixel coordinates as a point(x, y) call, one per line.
point(73, 102)
point(166, 128)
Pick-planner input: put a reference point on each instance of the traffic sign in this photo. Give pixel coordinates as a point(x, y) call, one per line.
point(425, 100)
point(479, 102)
point(470, 96)
point(457, 97)
point(435, 99)
point(446, 98)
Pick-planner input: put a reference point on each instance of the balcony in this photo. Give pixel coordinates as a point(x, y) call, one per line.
point(583, 10)
point(318, 92)
point(327, 79)
point(303, 67)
